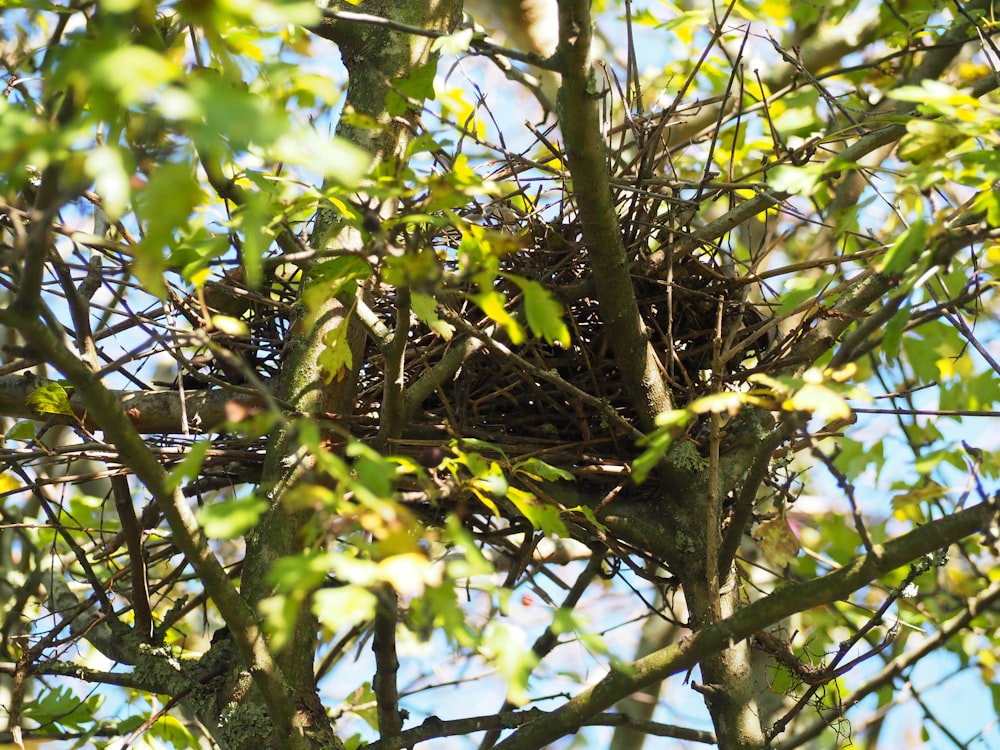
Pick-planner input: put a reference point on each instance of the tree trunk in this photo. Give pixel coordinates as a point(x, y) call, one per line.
point(374, 57)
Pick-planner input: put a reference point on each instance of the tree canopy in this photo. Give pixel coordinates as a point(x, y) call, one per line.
point(531, 374)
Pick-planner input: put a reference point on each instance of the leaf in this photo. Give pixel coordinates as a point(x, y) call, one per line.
point(109, 168)
point(335, 158)
point(50, 398)
point(657, 443)
point(169, 729)
point(454, 44)
point(540, 471)
point(777, 541)
point(230, 325)
point(416, 86)
point(328, 278)
point(821, 401)
point(425, 308)
point(21, 430)
point(927, 140)
point(542, 516)
point(230, 519)
point(907, 246)
point(543, 312)
point(190, 467)
point(493, 304)
point(336, 359)
point(801, 181)
point(410, 573)
point(506, 645)
point(8, 484)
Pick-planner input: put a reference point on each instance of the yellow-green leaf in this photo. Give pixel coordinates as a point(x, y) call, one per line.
point(544, 313)
point(492, 303)
point(229, 519)
point(817, 399)
point(926, 140)
point(425, 308)
point(50, 398)
point(777, 541)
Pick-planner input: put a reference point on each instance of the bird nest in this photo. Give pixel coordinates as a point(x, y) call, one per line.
point(542, 397)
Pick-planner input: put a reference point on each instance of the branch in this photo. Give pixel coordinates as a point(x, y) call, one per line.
point(150, 412)
point(390, 721)
point(935, 61)
point(973, 608)
point(110, 416)
point(132, 532)
point(332, 18)
point(434, 728)
point(586, 158)
point(761, 614)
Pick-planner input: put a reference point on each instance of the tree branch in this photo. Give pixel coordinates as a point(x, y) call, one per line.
point(110, 416)
point(586, 158)
point(756, 616)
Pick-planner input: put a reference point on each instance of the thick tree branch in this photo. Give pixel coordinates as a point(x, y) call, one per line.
point(834, 586)
point(586, 158)
point(149, 412)
point(112, 419)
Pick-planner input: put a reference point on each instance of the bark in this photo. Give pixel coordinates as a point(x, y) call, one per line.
point(743, 623)
point(374, 57)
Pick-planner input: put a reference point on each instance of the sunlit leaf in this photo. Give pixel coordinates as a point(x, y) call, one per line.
point(336, 359)
point(906, 247)
point(343, 606)
point(777, 541)
point(544, 314)
point(494, 305)
point(543, 516)
point(929, 139)
point(425, 308)
point(229, 519)
point(50, 398)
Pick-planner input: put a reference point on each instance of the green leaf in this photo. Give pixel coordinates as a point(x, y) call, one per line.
point(230, 519)
point(544, 517)
point(417, 85)
point(927, 140)
point(280, 614)
point(169, 729)
point(135, 73)
point(61, 708)
point(494, 304)
point(335, 158)
point(21, 430)
point(543, 312)
point(328, 278)
point(905, 248)
point(50, 398)
point(657, 443)
point(425, 308)
point(164, 205)
point(336, 359)
point(537, 469)
point(507, 647)
point(189, 468)
point(802, 180)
